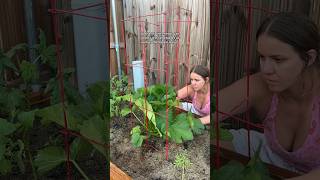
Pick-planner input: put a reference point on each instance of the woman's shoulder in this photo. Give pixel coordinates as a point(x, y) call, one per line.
point(260, 87)
point(263, 96)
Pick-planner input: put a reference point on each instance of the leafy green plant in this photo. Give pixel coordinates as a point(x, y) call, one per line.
point(6, 60)
point(53, 87)
point(152, 102)
point(183, 162)
point(119, 91)
point(51, 157)
point(158, 95)
point(254, 170)
point(88, 118)
point(13, 149)
point(181, 127)
point(46, 54)
point(29, 73)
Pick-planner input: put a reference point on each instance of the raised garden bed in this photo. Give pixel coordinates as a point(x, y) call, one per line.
point(149, 161)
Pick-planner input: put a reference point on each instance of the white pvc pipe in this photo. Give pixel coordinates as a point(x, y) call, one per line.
point(138, 75)
point(115, 29)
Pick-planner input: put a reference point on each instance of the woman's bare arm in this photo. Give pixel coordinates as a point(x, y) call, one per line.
point(185, 92)
point(233, 99)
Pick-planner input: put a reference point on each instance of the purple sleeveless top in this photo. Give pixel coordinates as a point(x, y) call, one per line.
point(205, 110)
point(305, 158)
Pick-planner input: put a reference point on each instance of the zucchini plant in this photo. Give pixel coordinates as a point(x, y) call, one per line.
point(157, 103)
point(88, 118)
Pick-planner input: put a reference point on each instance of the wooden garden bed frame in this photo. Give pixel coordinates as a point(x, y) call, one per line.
point(117, 174)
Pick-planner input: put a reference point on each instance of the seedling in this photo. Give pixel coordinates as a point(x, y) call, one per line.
point(182, 162)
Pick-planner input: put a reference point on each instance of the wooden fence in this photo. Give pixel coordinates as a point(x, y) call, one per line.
point(234, 32)
point(13, 29)
point(178, 10)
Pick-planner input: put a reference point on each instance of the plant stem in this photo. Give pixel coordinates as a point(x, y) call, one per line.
point(32, 166)
point(139, 120)
point(80, 170)
point(29, 154)
point(182, 178)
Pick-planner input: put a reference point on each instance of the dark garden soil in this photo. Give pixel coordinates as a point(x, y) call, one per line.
point(149, 162)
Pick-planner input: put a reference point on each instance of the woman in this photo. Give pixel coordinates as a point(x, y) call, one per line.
point(199, 91)
point(285, 94)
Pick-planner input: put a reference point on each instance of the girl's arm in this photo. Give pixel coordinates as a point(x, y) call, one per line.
point(233, 98)
point(205, 119)
point(185, 92)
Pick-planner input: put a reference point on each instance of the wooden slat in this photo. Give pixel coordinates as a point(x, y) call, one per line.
point(117, 174)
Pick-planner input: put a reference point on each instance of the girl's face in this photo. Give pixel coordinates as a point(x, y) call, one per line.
point(197, 81)
point(280, 65)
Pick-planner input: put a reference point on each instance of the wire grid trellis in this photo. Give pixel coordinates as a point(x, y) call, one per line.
point(56, 21)
point(234, 26)
point(161, 39)
point(150, 12)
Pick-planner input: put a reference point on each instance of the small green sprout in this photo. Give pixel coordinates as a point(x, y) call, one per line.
point(183, 162)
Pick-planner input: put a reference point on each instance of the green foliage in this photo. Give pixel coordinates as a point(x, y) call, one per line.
point(49, 158)
point(11, 150)
point(88, 118)
point(97, 94)
point(54, 114)
point(95, 128)
point(118, 90)
point(29, 72)
point(183, 162)
point(136, 137)
point(254, 170)
point(153, 102)
point(53, 87)
point(11, 101)
point(158, 95)
point(47, 53)
point(6, 128)
point(224, 134)
point(6, 60)
point(181, 127)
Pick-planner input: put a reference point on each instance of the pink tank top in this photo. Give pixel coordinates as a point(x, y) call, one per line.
point(305, 158)
point(205, 110)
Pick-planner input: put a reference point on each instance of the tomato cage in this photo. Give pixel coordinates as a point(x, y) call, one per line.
point(99, 142)
point(161, 55)
point(234, 25)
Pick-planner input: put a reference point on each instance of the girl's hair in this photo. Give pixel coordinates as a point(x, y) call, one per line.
point(294, 29)
point(201, 70)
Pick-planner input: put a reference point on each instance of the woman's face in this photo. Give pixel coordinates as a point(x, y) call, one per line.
point(197, 81)
point(280, 65)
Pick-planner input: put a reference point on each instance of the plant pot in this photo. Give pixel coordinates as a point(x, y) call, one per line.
point(117, 174)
